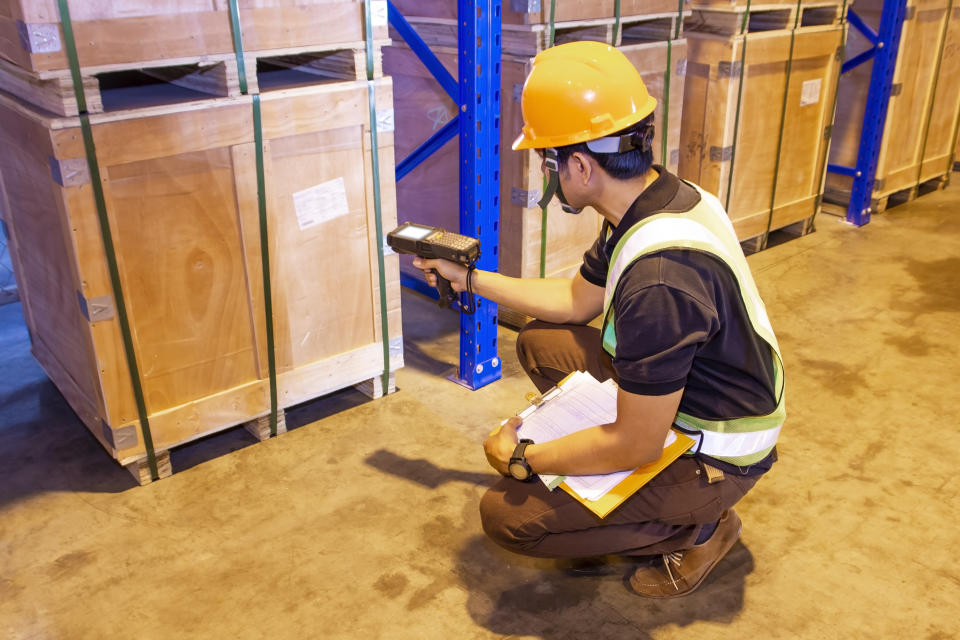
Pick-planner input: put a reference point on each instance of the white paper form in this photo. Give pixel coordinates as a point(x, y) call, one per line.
point(583, 402)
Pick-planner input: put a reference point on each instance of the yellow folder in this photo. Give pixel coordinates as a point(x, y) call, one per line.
point(641, 476)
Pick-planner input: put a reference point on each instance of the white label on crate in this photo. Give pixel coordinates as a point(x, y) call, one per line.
point(810, 92)
point(384, 120)
point(318, 204)
point(378, 13)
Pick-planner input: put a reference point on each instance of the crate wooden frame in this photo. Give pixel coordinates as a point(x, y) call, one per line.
point(567, 11)
point(328, 331)
point(712, 139)
point(134, 32)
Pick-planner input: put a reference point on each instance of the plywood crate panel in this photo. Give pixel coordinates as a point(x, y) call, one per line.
point(127, 32)
point(768, 190)
point(921, 124)
point(181, 194)
point(529, 12)
point(429, 194)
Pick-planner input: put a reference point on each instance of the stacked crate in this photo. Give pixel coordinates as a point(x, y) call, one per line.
point(919, 134)
point(649, 33)
point(178, 169)
point(758, 105)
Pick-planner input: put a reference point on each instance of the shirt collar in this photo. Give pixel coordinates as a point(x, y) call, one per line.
point(652, 200)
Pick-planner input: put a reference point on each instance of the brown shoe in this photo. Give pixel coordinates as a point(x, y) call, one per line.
point(683, 571)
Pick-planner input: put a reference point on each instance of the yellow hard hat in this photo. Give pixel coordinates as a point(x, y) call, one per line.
point(580, 91)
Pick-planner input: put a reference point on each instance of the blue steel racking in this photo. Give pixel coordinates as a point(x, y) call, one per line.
point(477, 92)
point(886, 44)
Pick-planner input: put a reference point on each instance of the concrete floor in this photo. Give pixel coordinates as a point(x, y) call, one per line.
point(362, 521)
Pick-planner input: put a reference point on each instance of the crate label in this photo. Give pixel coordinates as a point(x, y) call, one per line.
point(439, 116)
point(378, 13)
point(321, 203)
point(810, 92)
point(385, 121)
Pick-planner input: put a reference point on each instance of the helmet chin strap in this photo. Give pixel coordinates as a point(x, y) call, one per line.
point(553, 184)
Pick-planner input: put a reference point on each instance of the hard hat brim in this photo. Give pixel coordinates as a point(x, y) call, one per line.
point(524, 141)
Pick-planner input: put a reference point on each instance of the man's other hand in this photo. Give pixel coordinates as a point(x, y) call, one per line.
point(500, 444)
point(455, 273)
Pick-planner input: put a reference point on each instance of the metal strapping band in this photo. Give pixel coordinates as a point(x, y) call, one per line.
point(736, 122)
point(783, 118)
point(616, 23)
point(262, 207)
point(108, 246)
point(378, 215)
point(666, 106)
point(679, 24)
point(933, 93)
point(551, 33)
point(828, 131)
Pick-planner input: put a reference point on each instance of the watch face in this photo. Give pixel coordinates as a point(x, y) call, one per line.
point(519, 471)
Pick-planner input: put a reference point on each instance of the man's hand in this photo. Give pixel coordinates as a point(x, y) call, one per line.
point(455, 273)
point(500, 444)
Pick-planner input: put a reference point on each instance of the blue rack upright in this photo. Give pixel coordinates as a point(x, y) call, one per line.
point(886, 44)
point(477, 93)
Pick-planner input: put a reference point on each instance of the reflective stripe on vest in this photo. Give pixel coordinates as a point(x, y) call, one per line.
point(740, 441)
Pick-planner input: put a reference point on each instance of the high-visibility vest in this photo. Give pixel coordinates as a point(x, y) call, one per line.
point(740, 441)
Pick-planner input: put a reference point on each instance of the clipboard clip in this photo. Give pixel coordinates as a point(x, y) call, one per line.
point(534, 399)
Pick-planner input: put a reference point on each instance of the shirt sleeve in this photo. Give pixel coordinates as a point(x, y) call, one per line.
point(659, 331)
point(594, 267)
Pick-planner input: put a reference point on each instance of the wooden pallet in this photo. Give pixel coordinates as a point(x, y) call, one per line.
point(537, 12)
point(183, 210)
point(111, 87)
point(131, 32)
point(429, 193)
point(725, 18)
point(884, 202)
point(923, 114)
point(258, 427)
point(766, 190)
point(762, 241)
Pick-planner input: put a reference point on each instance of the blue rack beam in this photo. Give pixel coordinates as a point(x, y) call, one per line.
point(886, 45)
point(477, 92)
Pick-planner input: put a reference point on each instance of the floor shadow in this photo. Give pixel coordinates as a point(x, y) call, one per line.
point(513, 595)
point(423, 472)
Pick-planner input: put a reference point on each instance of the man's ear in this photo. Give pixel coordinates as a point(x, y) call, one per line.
point(581, 166)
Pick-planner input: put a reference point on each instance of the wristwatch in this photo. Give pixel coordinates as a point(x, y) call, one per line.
point(519, 467)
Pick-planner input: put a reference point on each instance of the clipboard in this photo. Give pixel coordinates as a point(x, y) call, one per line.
point(629, 485)
point(632, 483)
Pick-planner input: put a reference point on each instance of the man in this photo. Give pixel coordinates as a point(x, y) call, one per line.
point(684, 334)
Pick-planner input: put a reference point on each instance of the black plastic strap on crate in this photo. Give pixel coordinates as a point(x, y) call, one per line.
point(262, 207)
point(70, 48)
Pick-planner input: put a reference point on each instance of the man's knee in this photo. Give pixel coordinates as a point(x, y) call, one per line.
point(499, 522)
point(531, 341)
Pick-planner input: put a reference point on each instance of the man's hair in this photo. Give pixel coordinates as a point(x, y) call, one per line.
point(621, 166)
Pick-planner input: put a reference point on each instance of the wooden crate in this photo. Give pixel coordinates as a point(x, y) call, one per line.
point(767, 191)
point(922, 115)
point(181, 194)
point(128, 33)
point(537, 12)
point(429, 193)
point(198, 78)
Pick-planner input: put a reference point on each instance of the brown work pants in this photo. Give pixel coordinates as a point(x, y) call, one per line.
point(665, 515)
